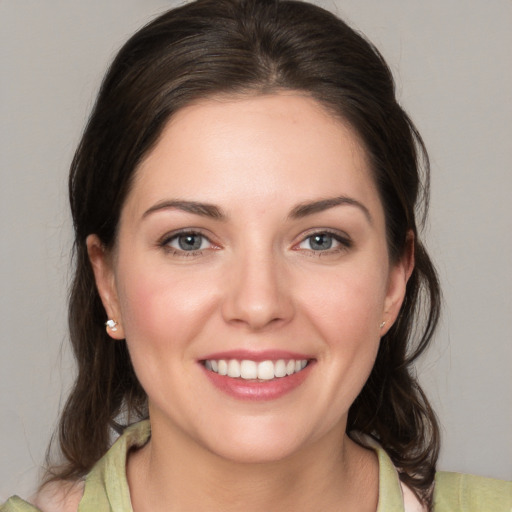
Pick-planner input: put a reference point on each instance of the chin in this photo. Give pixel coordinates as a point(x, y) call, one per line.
point(260, 442)
point(257, 452)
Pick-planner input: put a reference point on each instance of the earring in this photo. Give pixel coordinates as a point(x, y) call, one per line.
point(382, 324)
point(112, 325)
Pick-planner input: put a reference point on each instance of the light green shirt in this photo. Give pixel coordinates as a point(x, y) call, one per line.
point(106, 487)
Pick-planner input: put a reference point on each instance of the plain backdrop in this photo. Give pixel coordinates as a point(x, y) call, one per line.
point(453, 67)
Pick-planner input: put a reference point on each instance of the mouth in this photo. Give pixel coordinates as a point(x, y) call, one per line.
point(256, 371)
point(261, 376)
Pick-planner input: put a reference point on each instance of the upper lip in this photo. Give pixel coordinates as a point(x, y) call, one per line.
point(262, 355)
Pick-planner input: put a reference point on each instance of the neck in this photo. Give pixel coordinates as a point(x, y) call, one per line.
point(174, 473)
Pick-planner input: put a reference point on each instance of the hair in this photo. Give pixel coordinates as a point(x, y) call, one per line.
point(208, 48)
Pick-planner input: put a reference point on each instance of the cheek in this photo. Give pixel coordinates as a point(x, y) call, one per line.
point(162, 308)
point(348, 299)
point(163, 313)
point(349, 322)
point(345, 307)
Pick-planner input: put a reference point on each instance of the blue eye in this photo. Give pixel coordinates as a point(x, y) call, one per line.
point(188, 242)
point(323, 241)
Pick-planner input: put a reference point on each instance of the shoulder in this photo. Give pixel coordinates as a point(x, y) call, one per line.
point(469, 493)
point(60, 496)
point(16, 504)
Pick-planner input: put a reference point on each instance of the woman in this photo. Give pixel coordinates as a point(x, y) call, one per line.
point(244, 208)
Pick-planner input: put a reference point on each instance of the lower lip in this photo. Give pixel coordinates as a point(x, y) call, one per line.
point(258, 390)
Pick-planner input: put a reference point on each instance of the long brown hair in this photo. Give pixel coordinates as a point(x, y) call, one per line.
point(211, 47)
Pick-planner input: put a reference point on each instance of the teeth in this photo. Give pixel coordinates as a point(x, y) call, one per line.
point(266, 370)
point(233, 368)
point(251, 370)
point(280, 368)
point(222, 367)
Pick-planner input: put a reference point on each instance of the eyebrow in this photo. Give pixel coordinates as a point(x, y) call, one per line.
point(203, 209)
point(309, 208)
point(298, 212)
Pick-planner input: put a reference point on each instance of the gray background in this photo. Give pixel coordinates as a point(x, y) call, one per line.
point(452, 62)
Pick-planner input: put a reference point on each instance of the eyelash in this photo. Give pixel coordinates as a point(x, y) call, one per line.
point(343, 240)
point(344, 243)
point(167, 239)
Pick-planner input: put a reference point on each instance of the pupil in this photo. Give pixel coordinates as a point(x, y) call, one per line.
point(321, 242)
point(189, 242)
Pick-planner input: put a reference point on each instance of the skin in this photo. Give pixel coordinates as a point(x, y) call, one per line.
point(257, 283)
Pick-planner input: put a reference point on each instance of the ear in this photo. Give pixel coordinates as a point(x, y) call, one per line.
point(399, 274)
point(102, 266)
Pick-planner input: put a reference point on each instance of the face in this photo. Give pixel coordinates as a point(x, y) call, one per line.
point(251, 275)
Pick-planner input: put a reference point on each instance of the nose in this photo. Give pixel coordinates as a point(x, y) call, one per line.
point(258, 294)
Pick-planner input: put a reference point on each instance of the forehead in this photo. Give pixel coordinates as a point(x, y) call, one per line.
point(283, 147)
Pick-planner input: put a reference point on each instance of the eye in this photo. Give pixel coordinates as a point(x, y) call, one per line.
point(324, 242)
point(318, 242)
point(188, 242)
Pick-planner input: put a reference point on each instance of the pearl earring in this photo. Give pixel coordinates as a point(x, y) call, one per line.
point(112, 325)
point(382, 324)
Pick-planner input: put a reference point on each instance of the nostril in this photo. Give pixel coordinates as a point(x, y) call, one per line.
point(257, 295)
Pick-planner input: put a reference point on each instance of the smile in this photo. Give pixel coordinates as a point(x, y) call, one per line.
point(253, 370)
